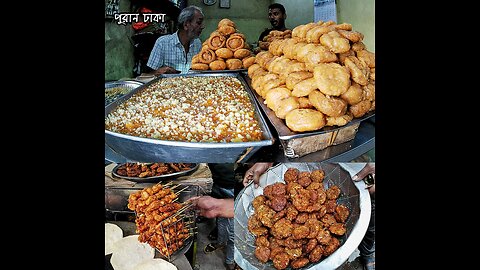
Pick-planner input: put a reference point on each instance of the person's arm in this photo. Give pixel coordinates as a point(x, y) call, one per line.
point(254, 173)
point(210, 207)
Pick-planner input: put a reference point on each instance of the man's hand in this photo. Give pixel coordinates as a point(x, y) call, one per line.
point(368, 169)
point(254, 173)
point(210, 207)
point(165, 70)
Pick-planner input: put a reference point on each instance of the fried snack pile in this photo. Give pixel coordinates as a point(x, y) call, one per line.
point(225, 49)
point(156, 221)
point(273, 35)
point(322, 76)
point(143, 170)
point(297, 222)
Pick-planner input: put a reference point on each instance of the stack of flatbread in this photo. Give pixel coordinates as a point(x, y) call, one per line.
point(130, 254)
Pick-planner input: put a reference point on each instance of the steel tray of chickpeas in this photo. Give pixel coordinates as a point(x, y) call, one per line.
point(302, 216)
point(187, 118)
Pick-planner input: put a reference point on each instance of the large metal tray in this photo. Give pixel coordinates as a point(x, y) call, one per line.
point(353, 195)
point(139, 149)
point(284, 133)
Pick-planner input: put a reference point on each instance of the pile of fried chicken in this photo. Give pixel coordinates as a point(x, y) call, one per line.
point(156, 219)
point(299, 221)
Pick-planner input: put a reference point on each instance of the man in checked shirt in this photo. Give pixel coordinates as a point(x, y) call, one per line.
point(173, 53)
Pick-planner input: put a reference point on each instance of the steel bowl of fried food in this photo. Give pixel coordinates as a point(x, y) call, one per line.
point(302, 216)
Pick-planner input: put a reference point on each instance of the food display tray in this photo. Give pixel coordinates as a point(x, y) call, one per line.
point(298, 144)
point(155, 179)
point(125, 86)
point(138, 149)
point(353, 195)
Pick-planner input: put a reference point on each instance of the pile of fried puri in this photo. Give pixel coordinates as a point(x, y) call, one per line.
point(274, 34)
point(298, 222)
point(225, 49)
point(156, 220)
point(322, 76)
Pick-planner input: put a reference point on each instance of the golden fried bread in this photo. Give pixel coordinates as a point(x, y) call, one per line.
point(296, 77)
point(285, 106)
point(233, 63)
point(305, 103)
point(303, 88)
point(301, 120)
point(226, 30)
point(235, 42)
point(359, 70)
point(199, 66)
point(339, 120)
point(335, 42)
point(275, 95)
point(218, 65)
point(226, 22)
point(331, 78)
point(224, 53)
point(242, 53)
point(354, 94)
point(330, 106)
point(248, 61)
point(361, 108)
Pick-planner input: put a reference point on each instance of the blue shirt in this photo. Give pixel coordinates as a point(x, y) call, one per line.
point(169, 51)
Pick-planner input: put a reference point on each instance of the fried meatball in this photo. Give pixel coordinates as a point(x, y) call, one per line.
point(262, 253)
point(282, 228)
point(323, 237)
point(292, 212)
point(281, 261)
point(301, 218)
point(304, 174)
point(265, 215)
point(277, 189)
point(275, 251)
point(341, 213)
point(304, 181)
point(338, 228)
point(301, 232)
point(314, 226)
point(259, 231)
point(333, 192)
point(254, 222)
point(259, 200)
point(328, 220)
point(315, 186)
point(277, 203)
point(332, 245)
point(290, 175)
point(293, 253)
point(316, 254)
point(293, 188)
point(317, 176)
point(262, 241)
point(331, 205)
point(312, 243)
point(320, 213)
point(290, 242)
point(279, 215)
point(299, 263)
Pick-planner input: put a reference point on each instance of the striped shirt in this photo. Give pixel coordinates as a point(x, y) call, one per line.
point(169, 51)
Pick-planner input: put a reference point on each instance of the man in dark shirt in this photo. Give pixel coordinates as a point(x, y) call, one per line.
point(276, 16)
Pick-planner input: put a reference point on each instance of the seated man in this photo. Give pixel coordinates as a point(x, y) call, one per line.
point(173, 53)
